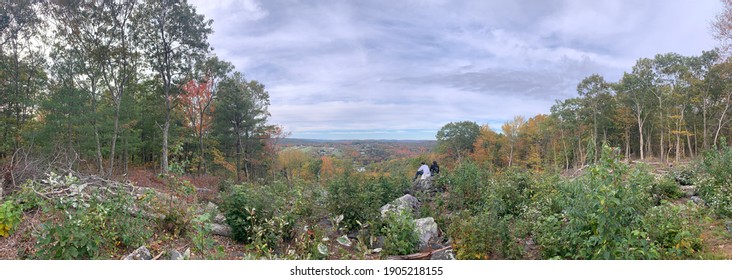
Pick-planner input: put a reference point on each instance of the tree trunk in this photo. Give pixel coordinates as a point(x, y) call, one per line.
point(721, 119)
point(114, 135)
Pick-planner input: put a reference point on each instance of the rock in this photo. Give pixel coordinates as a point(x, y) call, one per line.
point(728, 225)
point(443, 255)
point(220, 219)
point(187, 254)
point(427, 230)
point(141, 253)
point(175, 255)
point(405, 203)
point(697, 200)
point(689, 191)
point(221, 230)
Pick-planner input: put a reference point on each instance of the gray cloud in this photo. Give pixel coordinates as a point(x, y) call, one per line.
point(408, 66)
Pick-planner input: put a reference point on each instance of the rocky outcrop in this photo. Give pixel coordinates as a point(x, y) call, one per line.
point(141, 253)
point(405, 203)
point(427, 230)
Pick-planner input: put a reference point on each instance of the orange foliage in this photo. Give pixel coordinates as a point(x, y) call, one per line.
point(197, 102)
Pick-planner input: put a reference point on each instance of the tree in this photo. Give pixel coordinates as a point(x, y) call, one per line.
point(457, 139)
point(240, 119)
point(197, 100)
point(99, 34)
point(21, 69)
point(174, 37)
point(594, 90)
point(511, 131)
point(487, 146)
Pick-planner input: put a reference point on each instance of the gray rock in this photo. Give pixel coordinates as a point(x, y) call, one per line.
point(141, 253)
point(221, 230)
point(175, 255)
point(443, 255)
point(427, 230)
point(689, 191)
point(404, 203)
point(728, 225)
point(220, 219)
point(697, 200)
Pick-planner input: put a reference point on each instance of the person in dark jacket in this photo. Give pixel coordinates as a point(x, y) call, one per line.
point(434, 168)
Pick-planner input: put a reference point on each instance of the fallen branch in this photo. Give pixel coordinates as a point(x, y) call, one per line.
point(419, 256)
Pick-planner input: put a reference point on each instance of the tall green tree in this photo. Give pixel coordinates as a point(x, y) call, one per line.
point(240, 120)
point(173, 37)
point(21, 69)
point(457, 138)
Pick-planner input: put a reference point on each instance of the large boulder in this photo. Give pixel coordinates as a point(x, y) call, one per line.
point(221, 230)
point(405, 203)
point(427, 230)
point(141, 253)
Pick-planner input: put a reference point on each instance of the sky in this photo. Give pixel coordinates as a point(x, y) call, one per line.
point(403, 69)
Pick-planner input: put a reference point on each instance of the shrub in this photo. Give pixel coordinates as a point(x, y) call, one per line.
point(87, 232)
point(466, 185)
point(358, 197)
point(10, 216)
point(715, 184)
point(400, 236)
point(258, 213)
point(487, 236)
point(600, 215)
point(666, 188)
point(673, 230)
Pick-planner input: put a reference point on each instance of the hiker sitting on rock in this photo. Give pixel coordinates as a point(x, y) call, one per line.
point(423, 170)
point(434, 168)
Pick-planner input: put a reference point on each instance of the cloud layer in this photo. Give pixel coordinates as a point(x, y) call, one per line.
point(403, 69)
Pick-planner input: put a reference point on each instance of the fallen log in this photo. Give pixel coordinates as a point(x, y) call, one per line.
point(419, 256)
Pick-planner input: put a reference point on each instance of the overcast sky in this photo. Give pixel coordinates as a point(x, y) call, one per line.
point(402, 69)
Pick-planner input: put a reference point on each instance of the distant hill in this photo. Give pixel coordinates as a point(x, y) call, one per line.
point(362, 152)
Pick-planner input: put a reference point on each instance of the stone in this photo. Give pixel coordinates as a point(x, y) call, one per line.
point(141, 253)
point(175, 255)
point(689, 191)
point(405, 203)
point(444, 255)
point(187, 254)
point(697, 200)
point(427, 230)
point(221, 230)
point(220, 218)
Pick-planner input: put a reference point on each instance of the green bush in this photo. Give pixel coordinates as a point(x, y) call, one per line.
point(715, 182)
point(600, 217)
point(666, 188)
point(89, 232)
point(487, 236)
point(400, 236)
point(358, 197)
point(674, 230)
point(258, 213)
point(466, 186)
point(10, 216)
